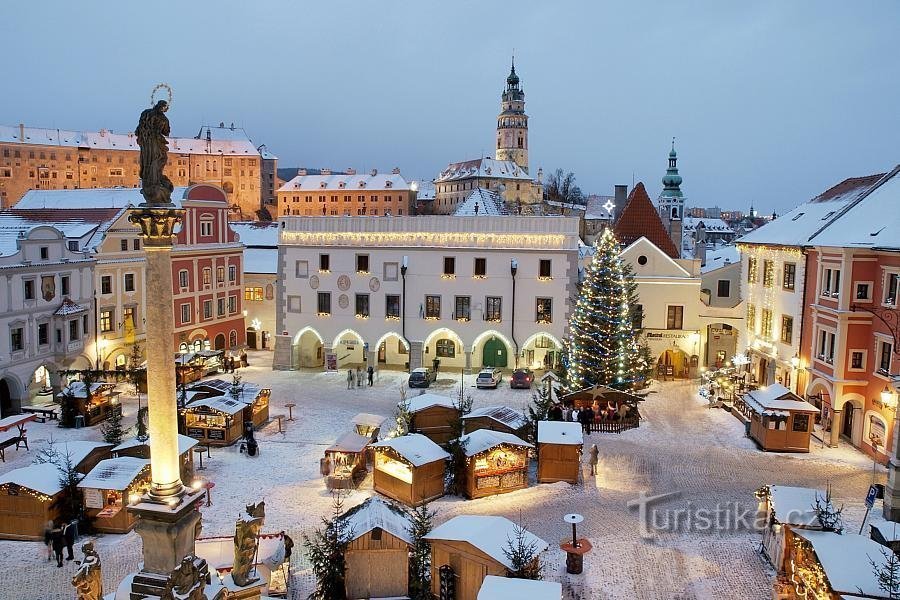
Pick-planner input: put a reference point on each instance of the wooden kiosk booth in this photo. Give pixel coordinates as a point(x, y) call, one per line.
point(110, 487)
point(560, 445)
point(496, 463)
point(215, 415)
point(433, 416)
point(255, 397)
point(496, 418)
point(29, 497)
point(614, 410)
point(94, 406)
point(410, 469)
point(344, 463)
point(368, 425)
point(779, 419)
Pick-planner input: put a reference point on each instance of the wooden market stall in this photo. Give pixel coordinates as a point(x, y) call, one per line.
point(344, 464)
point(496, 463)
point(787, 509)
point(468, 548)
point(614, 410)
point(29, 497)
point(108, 490)
point(368, 425)
point(216, 421)
point(559, 446)
point(141, 449)
point(270, 562)
point(409, 469)
point(433, 415)
point(254, 396)
point(779, 419)
point(496, 418)
point(84, 454)
point(213, 361)
point(94, 406)
point(505, 588)
point(189, 367)
point(377, 555)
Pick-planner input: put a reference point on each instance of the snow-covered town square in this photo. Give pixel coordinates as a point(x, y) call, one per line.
point(473, 301)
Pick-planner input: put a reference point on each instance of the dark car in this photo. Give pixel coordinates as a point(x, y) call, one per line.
point(422, 377)
point(522, 379)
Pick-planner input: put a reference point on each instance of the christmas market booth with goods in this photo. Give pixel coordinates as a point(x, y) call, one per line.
point(368, 425)
point(193, 366)
point(270, 562)
point(468, 548)
point(410, 469)
point(95, 406)
point(496, 463)
point(29, 497)
point(433, 415)
point(496, 418)
point(614, 410)
point(377, 554)
point(254, 396)
point(139, 448)
point(779, 419)
point(787, 508)
point(108, 490)
point(216, 411)
point(506, 588)
point(344, 464)
point(559, 446)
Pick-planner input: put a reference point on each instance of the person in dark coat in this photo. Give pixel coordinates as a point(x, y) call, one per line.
point(58, 542)
point(371, 373)
point(586, 417)
point(555, 413)
point(244, 361)
point(69, 530)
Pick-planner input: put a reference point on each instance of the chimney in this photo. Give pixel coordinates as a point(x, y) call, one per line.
point(222, 124)
point(208, 134)
point(325, 171)
point(374, 172)
point(395, 171)
point(22, 132)
point(620, 198)
point(351, 171)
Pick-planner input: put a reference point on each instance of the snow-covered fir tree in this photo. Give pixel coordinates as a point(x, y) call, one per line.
point(521, 551)
point(421, 523)
point(325, 549)
point(112, 428)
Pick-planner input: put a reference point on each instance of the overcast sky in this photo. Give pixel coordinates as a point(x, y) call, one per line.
point(770, 101)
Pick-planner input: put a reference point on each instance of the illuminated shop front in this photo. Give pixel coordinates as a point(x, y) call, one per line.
point(410, 469)
point(496, 463)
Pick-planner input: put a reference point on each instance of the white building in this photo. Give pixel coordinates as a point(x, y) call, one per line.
point(467, 291)
point(260, 241)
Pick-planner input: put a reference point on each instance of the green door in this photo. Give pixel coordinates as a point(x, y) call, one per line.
point(494, 353)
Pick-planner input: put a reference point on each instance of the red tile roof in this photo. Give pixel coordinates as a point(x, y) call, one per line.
point(639, 218)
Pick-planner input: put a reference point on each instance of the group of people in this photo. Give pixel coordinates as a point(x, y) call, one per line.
point(357, 377)
point(59, 536)
point(231, 363)
point(586, 416)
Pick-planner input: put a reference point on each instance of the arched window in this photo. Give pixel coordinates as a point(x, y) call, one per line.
point(198, 345)
point(183, 348)
point(270, 292)
point(232, 339)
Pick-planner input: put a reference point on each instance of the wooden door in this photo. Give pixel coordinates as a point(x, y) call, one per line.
point(377, 574)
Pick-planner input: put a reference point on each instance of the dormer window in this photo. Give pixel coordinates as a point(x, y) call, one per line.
point(388, 184)
point(362, 184)
point(323, 185)
point(342, 184)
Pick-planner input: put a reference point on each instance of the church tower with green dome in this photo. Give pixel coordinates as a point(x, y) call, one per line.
point(671, 200)
point(512, 123)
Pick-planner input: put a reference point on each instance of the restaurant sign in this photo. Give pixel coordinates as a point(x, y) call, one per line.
point(668, 335)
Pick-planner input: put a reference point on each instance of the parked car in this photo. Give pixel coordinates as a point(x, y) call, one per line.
point(489, 378)
point(422, 377)
point(521, 378)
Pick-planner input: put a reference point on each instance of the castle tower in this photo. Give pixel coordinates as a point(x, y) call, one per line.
point(512, 123)
point(671, 200)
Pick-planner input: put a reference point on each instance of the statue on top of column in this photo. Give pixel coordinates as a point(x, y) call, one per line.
point(151, 132)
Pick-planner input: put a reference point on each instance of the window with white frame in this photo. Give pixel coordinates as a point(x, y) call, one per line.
point(293, 304)
point(301, 269)
point(185, 313)
point(826, 346)
point(884, 350)
point(232, 273)
point(207, 309)
point(220, 307)
point(831, 282)
point(862, 291)
point(183, 278)
point(206, 228)
point(857, 360)
point(891, 281)
point(232, 304)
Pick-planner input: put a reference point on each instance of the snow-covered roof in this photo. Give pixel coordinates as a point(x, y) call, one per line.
point(40, 477)
point(846, 561)
point(114, 473)
point(483, 167)
point(70, 308)
point(559, 432)
point(720, 257)
point(595, 208)
point(423, 401)
point(349, 441)
point(375, 512)
point(254, 234)
point(794, 505)
point(481, 202)
point(690, 224)
point(487, 533)
point(261, 260)
point(425, 190)
point(368, 419)
point(502, 414)
point(870, 221)
point(73, 224)
point(248, 391)
point(223, 404)
point(185, 443)
point(351, 183)
point(777, 400)
point(88, 198)
point(77, 450)
point(78, 389)
point(415, 448)
point(889, 530)
point(505, 588)
point(484, 439)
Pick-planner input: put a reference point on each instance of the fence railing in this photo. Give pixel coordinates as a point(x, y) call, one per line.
point(614, 426)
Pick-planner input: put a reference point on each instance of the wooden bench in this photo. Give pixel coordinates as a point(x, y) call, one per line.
point(9, 439)
point(43, 412)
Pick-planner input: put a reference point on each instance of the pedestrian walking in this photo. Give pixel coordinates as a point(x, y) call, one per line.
point(70, 531)
point(58, 542)
point(244, 361)
point(594, 458)
point(359, 377)
point(349, 378)
point(48, 528)
point(371, 373)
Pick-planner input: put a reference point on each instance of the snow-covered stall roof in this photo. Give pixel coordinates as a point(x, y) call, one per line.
point(76, 450)
point(505, 588)
point(78, 389)
point(114, 473)
point(415, 448)
point(487, 533)
point(484, 439)
point(423, 401)
point(777, 400)
point(349, 442)
point(368, 420)
point(889, 530)
point(560, 432)
point(481, 203)
point(223, 404)
point(794, 505)
point(249, 392)
point(846, 561)
point(185, 443)
point(502, 414)
point(41, 477)
point(376, 513)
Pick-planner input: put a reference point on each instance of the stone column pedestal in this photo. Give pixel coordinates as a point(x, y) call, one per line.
point(415, 354)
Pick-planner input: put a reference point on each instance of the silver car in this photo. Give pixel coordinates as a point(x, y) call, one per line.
point(489, 378)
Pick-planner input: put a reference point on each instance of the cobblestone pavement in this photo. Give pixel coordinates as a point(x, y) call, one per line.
point(698, 454)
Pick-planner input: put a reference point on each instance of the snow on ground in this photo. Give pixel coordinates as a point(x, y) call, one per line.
point(697, 454)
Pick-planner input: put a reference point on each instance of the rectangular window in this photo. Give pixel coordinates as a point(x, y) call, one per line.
point(751, 318)
point(129, 282)
point(449, 266)
point(766, 329)
point(362, 263)
point(207, 276)
point(544, 268)
point(752, 273)
point(862, 291)
point(801, 422)
point(293, 304)
point(674, 317)
point(890, 289)
point(220, 307)
point(253, 294)
point(106, 284)
point(362, 306)
point(128, 316)
point(43, 334)
point(480, 267)
point(324, 263)
point(884, 357)
point(543, 310)
point(462, 306)
point(831, 286)
point(84, 325)
point(493, 308)
point(301, 269)
point(73, 245)
point(73, 330)
point(789, 276)
point(768, 273)
point(723, 288)
point(232, 305)
point(432, 307)
point(17, 339)
point(205, 228)
point(324, 304)
point(182, 279)
point(787, 329)
point(207, 309)
point(220, 274)
point(28, 290)
point(857, 360)
point(232, 273)
point(123, 245)
point(136, 244)
point(186, 313)
point(64, 285)
point(391, 271)
point(392, 306)
point(106, 321)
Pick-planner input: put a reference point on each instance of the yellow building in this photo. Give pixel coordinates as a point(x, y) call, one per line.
point(347, 194)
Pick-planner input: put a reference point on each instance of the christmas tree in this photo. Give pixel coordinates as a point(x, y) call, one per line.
point(603, 344)
point(421, 523)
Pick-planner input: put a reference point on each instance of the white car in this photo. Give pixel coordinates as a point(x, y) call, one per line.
point(489, 378)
